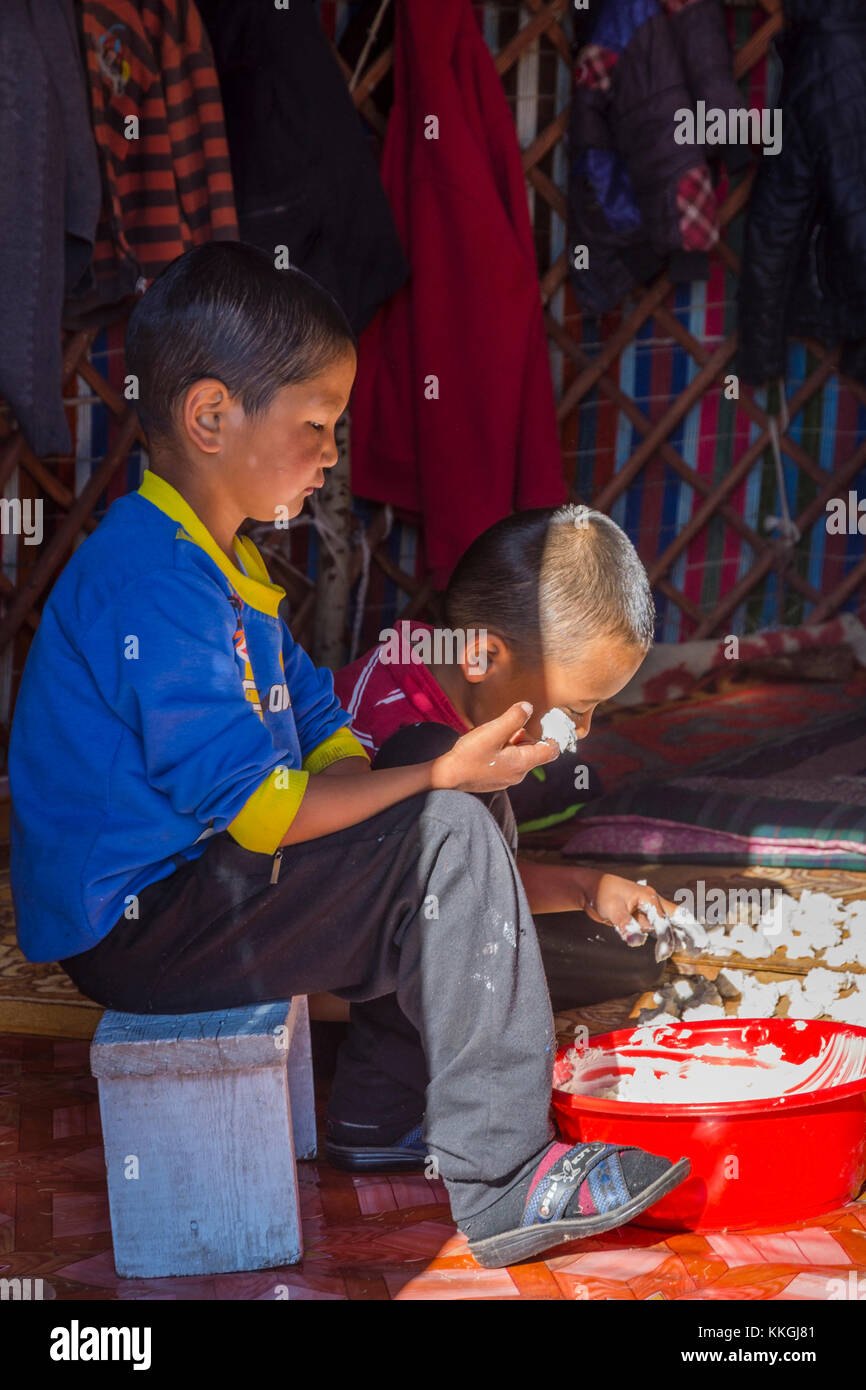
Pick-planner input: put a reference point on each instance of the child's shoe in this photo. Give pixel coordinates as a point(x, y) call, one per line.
point(574, 1192)
point(408, 1153)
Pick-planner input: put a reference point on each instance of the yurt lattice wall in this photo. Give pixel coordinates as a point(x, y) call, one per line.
point(647, 432)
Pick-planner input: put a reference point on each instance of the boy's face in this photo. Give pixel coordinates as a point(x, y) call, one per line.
point(603, 668)
point(269, 463)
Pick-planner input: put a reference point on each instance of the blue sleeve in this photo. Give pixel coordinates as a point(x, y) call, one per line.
point(317, 711)
point(164, 659)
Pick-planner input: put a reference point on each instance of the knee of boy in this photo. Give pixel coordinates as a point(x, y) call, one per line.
point(464, 813)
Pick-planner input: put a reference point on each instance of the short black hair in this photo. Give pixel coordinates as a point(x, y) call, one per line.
point(550, 580)
point(224, 310)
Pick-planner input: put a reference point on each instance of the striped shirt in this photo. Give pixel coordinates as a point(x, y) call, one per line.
point(158, 123)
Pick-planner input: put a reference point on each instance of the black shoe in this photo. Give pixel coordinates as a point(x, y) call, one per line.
point(619, 1182)
point(407, 1154)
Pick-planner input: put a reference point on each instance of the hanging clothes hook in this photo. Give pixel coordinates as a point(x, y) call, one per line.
point(787, 529)
point(789, 532)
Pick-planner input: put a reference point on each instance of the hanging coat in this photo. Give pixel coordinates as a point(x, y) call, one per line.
point(158, 122)
point(804, 255)
point(304, 171)
point(453, 416)
point(49, 176)
point(639, 202)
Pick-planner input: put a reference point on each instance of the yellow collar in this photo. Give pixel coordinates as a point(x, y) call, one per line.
point(254, 587)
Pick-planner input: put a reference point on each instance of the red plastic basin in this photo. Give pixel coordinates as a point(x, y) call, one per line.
point(753, 1162)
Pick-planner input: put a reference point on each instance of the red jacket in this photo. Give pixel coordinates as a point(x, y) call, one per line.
point(471, 314)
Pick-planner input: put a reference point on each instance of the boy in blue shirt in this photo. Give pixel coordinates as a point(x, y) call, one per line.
point(195, 828)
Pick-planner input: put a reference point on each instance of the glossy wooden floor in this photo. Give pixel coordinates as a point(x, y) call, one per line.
point(365, 1238)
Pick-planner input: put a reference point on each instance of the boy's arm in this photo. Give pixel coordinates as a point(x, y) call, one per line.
point(334, 749)
point(483, 760)
point(320, 720)
point(335, 803)
point(551, 887)
point(316, 710)
point(263, 819)
point(351, 764)
point(603, 896)
point(163, 659)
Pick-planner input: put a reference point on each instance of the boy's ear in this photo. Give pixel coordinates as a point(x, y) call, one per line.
point(484, 651)
point(204, 412)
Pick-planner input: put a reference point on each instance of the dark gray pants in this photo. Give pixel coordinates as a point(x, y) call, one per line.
point(381, 1074)
point(420, 909)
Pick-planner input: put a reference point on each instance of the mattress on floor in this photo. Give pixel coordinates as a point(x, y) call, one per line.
point(770, 774)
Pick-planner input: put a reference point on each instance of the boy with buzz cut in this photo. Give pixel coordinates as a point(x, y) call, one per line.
point(194, 828)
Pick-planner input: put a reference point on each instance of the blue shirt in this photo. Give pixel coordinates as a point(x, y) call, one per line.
point(163, 700)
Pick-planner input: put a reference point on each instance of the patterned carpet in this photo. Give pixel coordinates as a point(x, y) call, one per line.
point(37, 999)
point(748, 773)
point(714, 729)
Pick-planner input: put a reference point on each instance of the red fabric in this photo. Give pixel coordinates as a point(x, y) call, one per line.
point(698, 210)
point(382, 696)
point(594, 66)
point(553, 1155)
point(471, 314)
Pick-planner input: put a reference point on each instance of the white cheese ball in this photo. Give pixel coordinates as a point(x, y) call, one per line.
point(557, 725)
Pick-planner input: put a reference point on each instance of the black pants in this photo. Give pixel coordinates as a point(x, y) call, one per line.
point(417, 916)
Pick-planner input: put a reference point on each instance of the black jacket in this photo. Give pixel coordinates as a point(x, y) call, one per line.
point(804, 257)
point(49, 205)
point(303, 168)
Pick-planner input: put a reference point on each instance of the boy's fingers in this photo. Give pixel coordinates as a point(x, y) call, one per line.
point(520, 737)
point(630, 930)
point(525, 756)
point(505, 726)
point(663, 905)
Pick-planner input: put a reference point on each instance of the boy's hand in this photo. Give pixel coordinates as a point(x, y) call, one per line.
point(493, 756)
point(620, 902)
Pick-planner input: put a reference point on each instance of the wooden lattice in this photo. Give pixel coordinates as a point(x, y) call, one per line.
point(655, 303)
point(22, 601)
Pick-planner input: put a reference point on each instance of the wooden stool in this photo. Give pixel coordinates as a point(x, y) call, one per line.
point(203, 1116)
